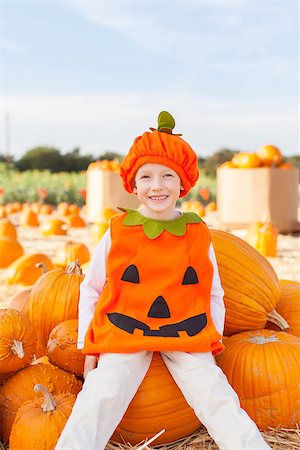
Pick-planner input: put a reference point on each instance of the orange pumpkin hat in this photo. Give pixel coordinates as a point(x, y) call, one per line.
point(161, 147)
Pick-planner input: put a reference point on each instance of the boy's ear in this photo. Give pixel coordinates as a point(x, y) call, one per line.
point(134, 189)
point(181, 187)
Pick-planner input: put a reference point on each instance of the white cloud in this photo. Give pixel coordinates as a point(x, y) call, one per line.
point(101, 122)
point(220, 33)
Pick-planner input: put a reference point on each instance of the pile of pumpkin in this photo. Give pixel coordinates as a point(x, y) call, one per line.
point(260, 361)
point(106, 165)
point(265, 156)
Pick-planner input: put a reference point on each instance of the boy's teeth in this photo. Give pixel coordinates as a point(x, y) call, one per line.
point(159, 198)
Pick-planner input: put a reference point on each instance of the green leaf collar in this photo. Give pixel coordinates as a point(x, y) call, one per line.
point(154, 227)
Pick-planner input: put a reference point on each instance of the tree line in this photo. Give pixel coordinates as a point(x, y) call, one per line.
point(50, 158)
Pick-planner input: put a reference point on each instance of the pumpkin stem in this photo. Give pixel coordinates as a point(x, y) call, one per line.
point(17, 349)
point(74, 267)
point(49, 403)
point(42, 266)
point(276, 318)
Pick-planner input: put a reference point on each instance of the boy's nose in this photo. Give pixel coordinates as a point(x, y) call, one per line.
point(157, 184)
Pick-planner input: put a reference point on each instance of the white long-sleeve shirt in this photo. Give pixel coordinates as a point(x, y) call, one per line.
point(94, 281)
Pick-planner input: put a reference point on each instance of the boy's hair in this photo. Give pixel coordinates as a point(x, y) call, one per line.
point(161, 147)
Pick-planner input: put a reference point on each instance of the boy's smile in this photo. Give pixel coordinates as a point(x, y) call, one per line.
point(158, 189)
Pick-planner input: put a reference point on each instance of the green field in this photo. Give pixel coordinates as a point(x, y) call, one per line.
point(65, 186)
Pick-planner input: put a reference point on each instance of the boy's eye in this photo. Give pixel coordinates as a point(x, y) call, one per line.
point(168, 175)
point(145, 176)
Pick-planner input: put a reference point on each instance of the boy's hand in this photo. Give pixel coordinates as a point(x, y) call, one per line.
point(90, 363)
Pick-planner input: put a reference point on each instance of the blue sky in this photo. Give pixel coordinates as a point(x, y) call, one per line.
point(95, 74)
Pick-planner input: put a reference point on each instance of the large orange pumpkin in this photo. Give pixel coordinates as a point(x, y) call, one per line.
point(19, 388)
point(49, 416)
point(62, 347)
point(157, 404)
point(17, 341)
point(10, 250)
point(53, 299)
point(25, 269)
point(20, 302)
point(250, 284)
point(289, 307)
point(263, 368)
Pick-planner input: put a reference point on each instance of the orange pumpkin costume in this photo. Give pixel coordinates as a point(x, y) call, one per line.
point(157, 304)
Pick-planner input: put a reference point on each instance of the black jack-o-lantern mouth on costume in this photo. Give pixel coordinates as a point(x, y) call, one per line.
point(159, 309)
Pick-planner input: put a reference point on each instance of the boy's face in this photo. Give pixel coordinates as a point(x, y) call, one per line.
point(158, 188)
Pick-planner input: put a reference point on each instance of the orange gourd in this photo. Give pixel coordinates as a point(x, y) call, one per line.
point(62, 347)
point(250, 284)
point(263, 368)
point(17, 341)
point(157, 404)
point(49, 416)
point(269, 155)
point(289, 307)
point(53, 299)
point(7, 229)
point(244, 160)
point(19, 389)
point(10, 250)
point(26, 270)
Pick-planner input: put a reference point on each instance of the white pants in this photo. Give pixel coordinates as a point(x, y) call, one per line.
point(110, 387)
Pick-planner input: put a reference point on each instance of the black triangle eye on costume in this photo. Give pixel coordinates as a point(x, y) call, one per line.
point(131, 274)
point(190, 276)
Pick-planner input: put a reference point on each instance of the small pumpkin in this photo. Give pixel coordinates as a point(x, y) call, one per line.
point(263, 237)
point(158, 404)
point(72, 251)
point(75, 221)
point(62, 347)
point(98, 229)
point(46, 209)
point(289, 307)
point(10, 250)
point(17, 341)
point(28, 218)
point(227, 165)
point(49, 416)
point(53, 299)
point(7, 229)
point(19, 388)
point(250, 284)
point(26, 269)
point(51, 226)
point(244, 160)
point(263, 368)
point(269, 155)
